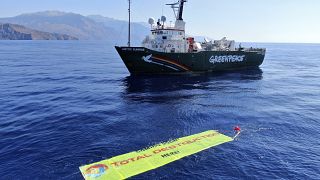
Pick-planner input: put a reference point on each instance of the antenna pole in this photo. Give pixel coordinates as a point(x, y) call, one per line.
point(129, 27)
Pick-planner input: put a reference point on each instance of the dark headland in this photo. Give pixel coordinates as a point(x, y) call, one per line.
point(18, 32)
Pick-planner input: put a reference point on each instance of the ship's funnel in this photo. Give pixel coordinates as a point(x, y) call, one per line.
point(181, 10)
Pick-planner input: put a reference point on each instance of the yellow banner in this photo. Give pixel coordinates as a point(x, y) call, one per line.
point(137, 162)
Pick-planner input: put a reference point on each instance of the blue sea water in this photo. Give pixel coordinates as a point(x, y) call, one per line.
point(64, 104)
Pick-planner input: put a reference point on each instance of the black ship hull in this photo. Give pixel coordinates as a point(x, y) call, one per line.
point(140, 60)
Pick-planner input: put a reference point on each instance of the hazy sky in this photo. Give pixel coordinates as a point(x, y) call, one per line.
point(242, 20)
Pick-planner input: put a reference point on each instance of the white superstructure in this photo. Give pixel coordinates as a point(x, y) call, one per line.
point(166, 38)
point(171, 38)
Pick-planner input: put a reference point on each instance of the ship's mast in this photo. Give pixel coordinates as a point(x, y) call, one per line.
point(178, 10)
point(129, 25)
point(181, 10)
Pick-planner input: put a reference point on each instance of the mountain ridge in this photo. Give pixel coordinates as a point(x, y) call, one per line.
point(93, 27)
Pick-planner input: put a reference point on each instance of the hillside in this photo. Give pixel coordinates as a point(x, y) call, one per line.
point(19, 32)
point(82, 27)
point(138, 30)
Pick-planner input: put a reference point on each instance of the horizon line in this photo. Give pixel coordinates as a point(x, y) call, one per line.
point(314, 43)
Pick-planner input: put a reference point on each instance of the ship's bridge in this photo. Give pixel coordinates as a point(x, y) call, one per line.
point(166, 38)
point(168, 33)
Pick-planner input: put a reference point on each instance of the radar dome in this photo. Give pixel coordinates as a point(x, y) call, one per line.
point(163, 18)
point(151, 21)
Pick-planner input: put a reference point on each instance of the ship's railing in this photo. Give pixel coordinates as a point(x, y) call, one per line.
point(256, 49)
point(155, 27)
point(261, 51)
point(250, 49)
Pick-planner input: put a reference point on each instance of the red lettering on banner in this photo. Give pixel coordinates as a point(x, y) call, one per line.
point(157, 151)
point(186, 142)
point(124, 162)
point(147, 155)
point(179, 144)
point(115, 163)
point(140, 157)
point(127, 161)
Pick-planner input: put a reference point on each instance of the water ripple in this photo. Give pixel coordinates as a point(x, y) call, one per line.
point(66, 104)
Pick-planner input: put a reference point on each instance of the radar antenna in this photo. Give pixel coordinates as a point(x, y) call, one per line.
point(178, 8)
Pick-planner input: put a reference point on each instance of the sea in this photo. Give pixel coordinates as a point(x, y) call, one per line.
point(65, 104)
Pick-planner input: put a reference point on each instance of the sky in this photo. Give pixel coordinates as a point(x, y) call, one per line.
point(296, 21)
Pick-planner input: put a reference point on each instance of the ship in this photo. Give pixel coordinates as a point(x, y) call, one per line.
point(168, 50)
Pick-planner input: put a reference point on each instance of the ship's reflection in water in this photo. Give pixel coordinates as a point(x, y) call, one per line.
point(164, 88)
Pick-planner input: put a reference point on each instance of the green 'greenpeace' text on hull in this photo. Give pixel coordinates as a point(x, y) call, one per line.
point(140, 60)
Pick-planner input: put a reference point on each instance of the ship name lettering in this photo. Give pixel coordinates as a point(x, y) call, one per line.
point(133, 49)
point(138, 49)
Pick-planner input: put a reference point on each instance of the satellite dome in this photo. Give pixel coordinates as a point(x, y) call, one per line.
point(151, 21)
point(163, 18)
